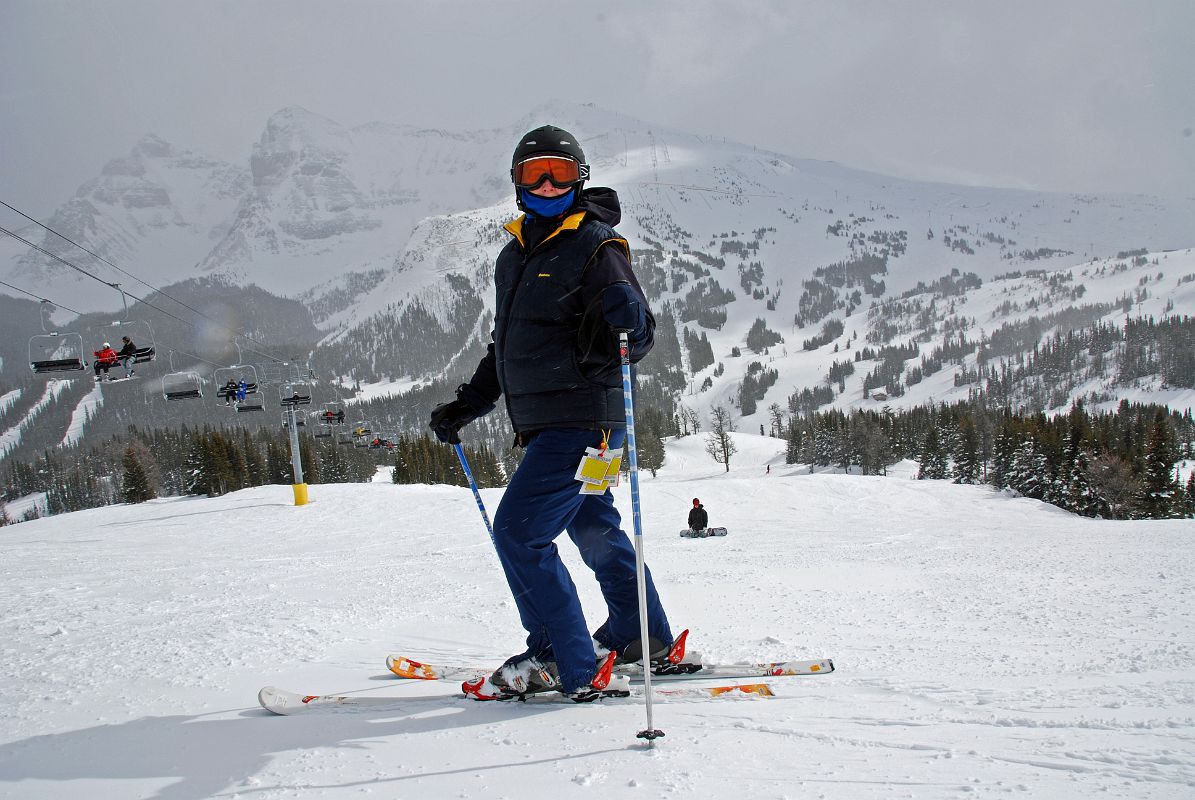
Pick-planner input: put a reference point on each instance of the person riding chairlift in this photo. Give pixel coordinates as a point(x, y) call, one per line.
point(105, 359)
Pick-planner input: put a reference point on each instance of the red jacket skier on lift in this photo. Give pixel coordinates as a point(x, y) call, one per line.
point(105, 359)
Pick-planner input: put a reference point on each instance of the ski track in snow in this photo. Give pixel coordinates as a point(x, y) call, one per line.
point(88, 405)
point(12, 437)
point(986, 646)
point(8, 398)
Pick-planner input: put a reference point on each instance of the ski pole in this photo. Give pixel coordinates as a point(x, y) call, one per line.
point(624, 352)
point(460, 454)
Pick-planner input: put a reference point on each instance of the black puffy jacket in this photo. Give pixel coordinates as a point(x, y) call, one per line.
point(698, 519)
point(553, 356)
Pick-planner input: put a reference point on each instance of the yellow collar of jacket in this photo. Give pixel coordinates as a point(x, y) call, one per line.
point(569, 223)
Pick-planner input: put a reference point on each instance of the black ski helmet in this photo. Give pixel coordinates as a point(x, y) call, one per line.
point(549, 139)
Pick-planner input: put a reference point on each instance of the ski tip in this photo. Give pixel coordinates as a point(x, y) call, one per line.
point(760, 689)
point(272, 699)
point(404, 667)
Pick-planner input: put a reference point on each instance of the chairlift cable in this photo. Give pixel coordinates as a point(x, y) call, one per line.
point(43, 299)
point(130, 294)
point(121, 270)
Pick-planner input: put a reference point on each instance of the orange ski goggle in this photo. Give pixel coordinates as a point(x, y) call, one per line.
point(561, 171)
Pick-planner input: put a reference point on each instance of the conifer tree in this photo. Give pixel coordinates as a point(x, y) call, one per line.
point(966, 453)
point(196, 479)
point(135, 485)
point(1081, 495)
point(933, 458)
point(277, 463)
point(1160, 496)
point(255, 466)
point(1028, 473)
point(794, 442)
point(650, 447)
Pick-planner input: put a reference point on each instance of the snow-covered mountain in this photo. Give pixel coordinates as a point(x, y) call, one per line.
point(984, 645)
point(387, 233)
point(155, 212)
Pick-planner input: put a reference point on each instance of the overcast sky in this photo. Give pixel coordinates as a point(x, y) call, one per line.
point(1083, 95)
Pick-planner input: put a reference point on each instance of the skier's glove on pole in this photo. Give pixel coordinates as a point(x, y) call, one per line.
point(448, 418)
point(623, 311)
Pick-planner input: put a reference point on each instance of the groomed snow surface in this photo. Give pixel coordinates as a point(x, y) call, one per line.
point(986, 646)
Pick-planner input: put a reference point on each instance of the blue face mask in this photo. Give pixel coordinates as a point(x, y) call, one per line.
point(546, 206)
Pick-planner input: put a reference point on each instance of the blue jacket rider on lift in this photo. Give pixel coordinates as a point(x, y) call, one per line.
point(564, 288)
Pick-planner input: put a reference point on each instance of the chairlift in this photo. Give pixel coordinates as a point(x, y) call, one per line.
point(383, 441)
point(55, 351)
point(295, 392)
point(328, 415)
point(361, 432)
point(331, 413)
point(181, 385)
point(323, 429)
point(300, 420)
point(237, 386)
point(139, 332)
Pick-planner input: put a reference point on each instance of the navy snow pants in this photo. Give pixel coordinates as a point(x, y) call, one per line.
point(542, 500)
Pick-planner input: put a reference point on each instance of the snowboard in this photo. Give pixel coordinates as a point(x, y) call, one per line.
point(689, 533)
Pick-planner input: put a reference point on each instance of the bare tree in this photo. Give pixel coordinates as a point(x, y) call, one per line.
point(776, 416)
point(718, 443)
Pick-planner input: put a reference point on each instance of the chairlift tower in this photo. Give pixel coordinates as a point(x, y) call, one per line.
point(292, 394)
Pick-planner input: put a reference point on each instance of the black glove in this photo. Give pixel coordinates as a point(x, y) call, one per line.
point(448, 418)
point(623, 311)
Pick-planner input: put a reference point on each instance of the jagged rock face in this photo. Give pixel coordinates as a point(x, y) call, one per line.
point(300, 169)
point(154, 211)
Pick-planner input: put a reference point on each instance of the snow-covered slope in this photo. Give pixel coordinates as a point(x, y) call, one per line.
point(985, 646)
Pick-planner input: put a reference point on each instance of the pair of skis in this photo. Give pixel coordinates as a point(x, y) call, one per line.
point(280, 701)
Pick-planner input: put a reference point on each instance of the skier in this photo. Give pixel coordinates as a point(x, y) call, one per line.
point(105, 359)
point(564, 287)
point(127, 356)
point(229, 391)
point(698, 518)
point(242, 390)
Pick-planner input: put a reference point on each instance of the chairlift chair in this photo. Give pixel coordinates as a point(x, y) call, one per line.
point(228, 381)
point(139, 331)
point(361, 433)
point(329, 414)
point(384, 440)
point(55, 351)
point(295, 392)
point(181, 384)
point(323, 429)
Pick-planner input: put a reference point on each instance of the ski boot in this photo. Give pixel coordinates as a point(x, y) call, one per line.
point(521, 677)
point(666, 659)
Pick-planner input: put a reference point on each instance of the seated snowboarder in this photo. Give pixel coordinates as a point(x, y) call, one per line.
point(698, 518)
point(229, 391)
